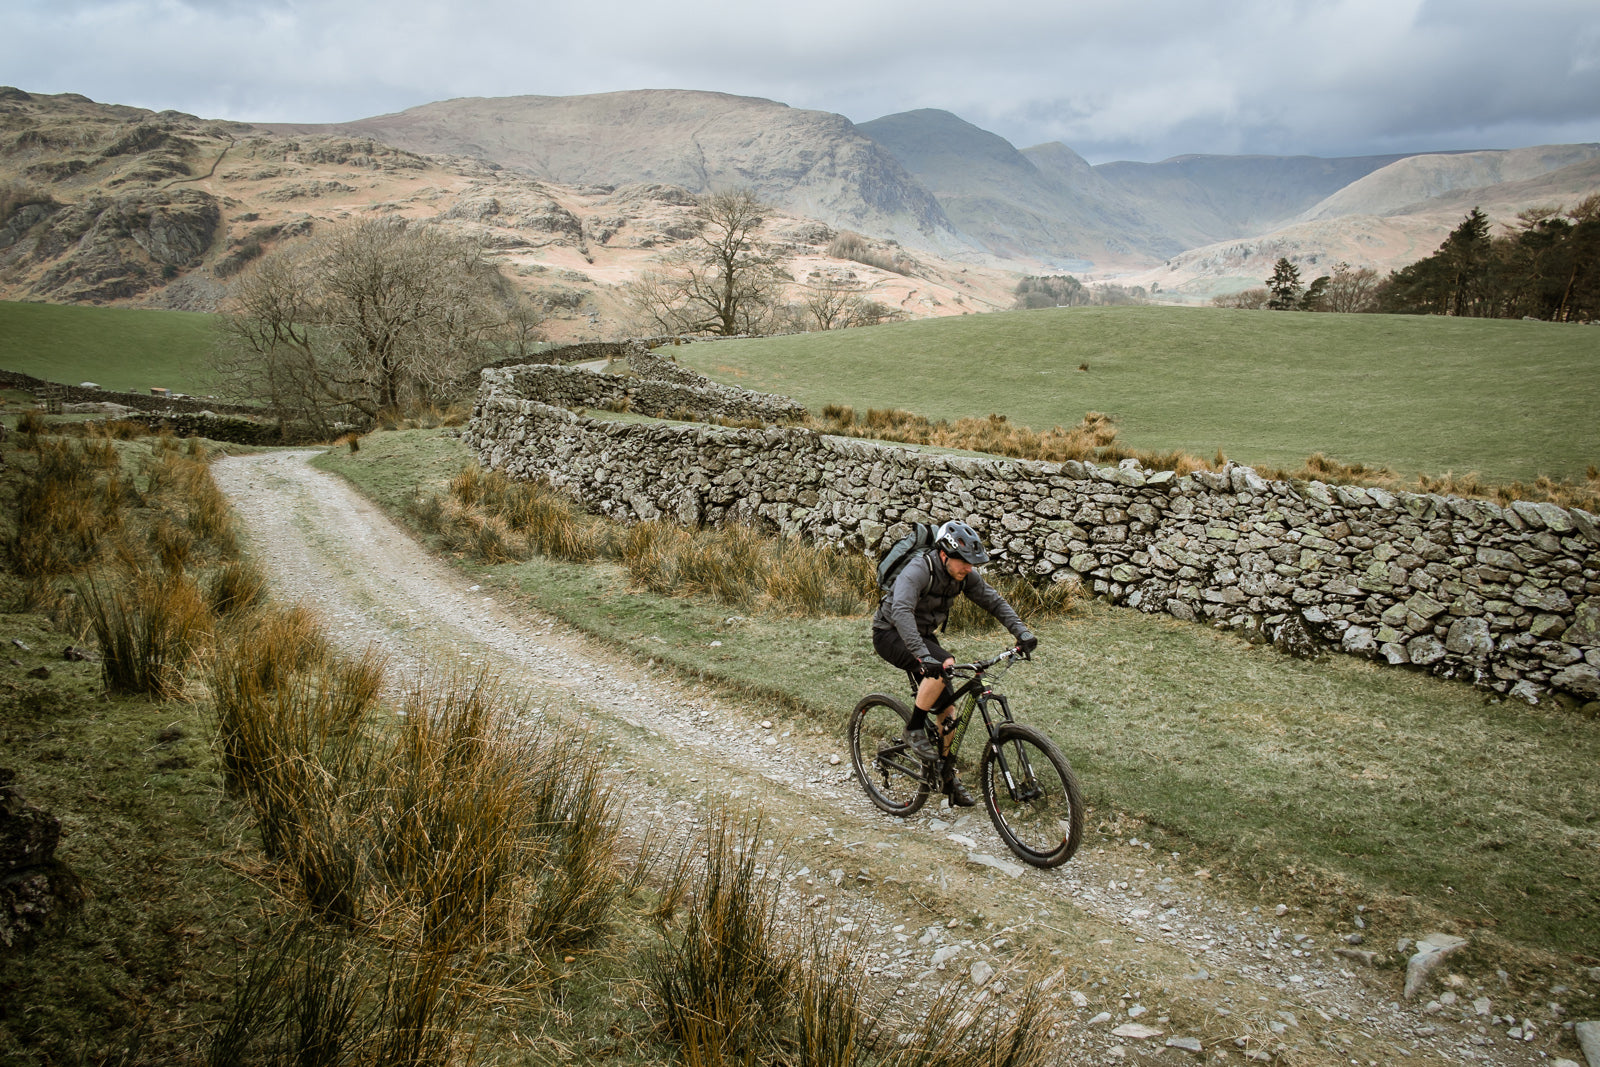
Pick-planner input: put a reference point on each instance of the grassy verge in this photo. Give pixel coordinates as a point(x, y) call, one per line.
point(1420, 395)
point(1342, 782)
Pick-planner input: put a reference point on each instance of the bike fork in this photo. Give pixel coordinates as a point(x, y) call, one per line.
point(1028, 790)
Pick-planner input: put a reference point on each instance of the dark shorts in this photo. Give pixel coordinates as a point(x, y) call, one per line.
point(890, 647)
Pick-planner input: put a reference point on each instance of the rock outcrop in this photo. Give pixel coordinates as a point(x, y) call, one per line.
point(108, 246)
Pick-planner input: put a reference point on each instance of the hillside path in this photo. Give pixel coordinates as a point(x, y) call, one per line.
point(1141, 943)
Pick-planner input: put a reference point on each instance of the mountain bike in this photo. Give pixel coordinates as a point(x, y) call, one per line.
point(1028, 786)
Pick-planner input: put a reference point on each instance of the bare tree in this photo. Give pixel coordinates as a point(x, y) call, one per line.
point(1246, 299)
point(831, 302)
point(371, 317)
point(720, 281)
point(1351, 289)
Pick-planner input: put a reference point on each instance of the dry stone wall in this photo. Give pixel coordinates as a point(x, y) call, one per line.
point(77, 394)
point(660, 387)
point(1508, 598)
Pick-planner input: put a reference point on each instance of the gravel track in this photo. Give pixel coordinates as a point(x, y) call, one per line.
point(1138, 939)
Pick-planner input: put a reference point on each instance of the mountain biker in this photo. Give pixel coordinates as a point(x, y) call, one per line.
point(902, 633)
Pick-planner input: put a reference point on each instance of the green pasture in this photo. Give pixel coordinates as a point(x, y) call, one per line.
point(1511, 400)
point(122, 349)
point(1338, 783)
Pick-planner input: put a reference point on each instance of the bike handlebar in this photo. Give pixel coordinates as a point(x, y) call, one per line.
point(1014, 652)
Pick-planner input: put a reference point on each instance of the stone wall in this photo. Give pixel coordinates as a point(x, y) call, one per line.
point(1508, 598)
point(213, 427)
point(661, 388)
point(583, 352)
point(76, 394)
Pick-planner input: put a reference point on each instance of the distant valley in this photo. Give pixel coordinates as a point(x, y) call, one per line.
point(575, 195)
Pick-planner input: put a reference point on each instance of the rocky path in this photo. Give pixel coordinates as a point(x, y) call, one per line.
point(1152, 962)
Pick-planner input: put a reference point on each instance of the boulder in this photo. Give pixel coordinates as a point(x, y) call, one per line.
point(34, 885)
point(1431, 952)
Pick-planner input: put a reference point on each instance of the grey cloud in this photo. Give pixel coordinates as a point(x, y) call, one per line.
point(1145, 79)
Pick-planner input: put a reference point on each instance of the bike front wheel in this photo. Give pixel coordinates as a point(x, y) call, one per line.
point(894, 778)
point(1032, 796)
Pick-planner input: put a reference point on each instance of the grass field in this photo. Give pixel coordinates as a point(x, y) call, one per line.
point(1509, 400)
point(123, 349)
point(1342, 782)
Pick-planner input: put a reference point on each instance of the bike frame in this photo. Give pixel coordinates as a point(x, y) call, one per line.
point(978, 692)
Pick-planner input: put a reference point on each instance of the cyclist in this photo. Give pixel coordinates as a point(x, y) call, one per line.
point(902, 633)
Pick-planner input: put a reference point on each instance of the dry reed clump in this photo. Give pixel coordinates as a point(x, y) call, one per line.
point(151, 626)
point(488, 515)
point(178, 478)
point(956, 1032)
point(460, 830)
point(737, 981)
point(741, 567)
point(425, 415)
point(852, 246)
point(722, 978)
point(322, 996)
point(237, 587)
point(69, 507)
point(31, 423)
point(1095, 440)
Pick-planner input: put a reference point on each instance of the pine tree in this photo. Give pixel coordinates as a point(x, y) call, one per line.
point(1285, 286)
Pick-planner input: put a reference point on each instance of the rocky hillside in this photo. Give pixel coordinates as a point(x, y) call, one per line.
point(110, 204)
point(1390, 218)
point(1048, 203)
point(576, 195)
point(809, 163)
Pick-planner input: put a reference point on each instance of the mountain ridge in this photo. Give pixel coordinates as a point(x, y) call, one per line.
point(813, 163)
point(575, 195)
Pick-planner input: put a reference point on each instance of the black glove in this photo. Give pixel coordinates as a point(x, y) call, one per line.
point(931, 668)
point(1027, 642)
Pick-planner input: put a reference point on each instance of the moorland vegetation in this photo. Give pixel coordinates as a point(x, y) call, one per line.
point(331, 949)
point(292, 856)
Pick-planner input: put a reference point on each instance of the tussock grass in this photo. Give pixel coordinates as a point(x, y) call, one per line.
point(1095, 440)
point(237, 587)
point(721, 980)
point(958, 1033)
point(496, 520)
point(853, 246)
point(68, 509)
point(32, 423)
point(736, 565)
point(463, 825)
point(489, 516)
point(426, 415)
point(152, 628)
point(738, 981)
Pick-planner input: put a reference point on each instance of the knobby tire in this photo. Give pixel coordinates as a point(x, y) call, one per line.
point(895, 780)
point(1045, 826)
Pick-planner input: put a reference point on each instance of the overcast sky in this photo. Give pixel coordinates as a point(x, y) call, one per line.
point(1139, 79)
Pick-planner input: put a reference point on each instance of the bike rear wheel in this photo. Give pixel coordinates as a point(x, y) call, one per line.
point(1039, 811)
point(894, 778)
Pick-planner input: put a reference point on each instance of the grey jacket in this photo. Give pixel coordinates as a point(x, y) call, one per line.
point(920, 601)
